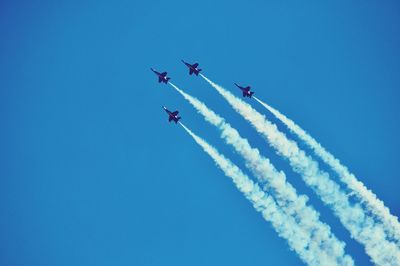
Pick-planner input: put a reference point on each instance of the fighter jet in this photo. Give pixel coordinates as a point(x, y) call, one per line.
point(246, 91)
point(162, 77)
point(172, 115)
point(192, 68)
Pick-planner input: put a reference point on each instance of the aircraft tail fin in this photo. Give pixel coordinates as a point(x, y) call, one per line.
point(177, 119)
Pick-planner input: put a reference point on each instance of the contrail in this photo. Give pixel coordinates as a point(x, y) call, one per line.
point(285, 226)
point(366, 196)
point(322, 240)
point(361, 227)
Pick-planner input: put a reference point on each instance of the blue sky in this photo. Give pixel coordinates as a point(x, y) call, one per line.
point(93, 174)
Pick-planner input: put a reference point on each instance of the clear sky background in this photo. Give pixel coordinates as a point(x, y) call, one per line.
point(91, 171)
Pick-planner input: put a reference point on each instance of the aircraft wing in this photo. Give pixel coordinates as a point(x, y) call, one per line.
point(195, 65)
point(175, 113)
point(190, 71)
point(247, 88)
point(170, 118)
point(160, 79)
point(164, 74)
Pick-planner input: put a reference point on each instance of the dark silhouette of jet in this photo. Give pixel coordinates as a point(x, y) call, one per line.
point(192, 68)
point(246, 91)
point(173, 116)
point(162, 77)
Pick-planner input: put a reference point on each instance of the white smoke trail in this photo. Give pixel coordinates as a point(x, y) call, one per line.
point(361, 227)
point(322, 240)
point(284, 226)
point(366, 196)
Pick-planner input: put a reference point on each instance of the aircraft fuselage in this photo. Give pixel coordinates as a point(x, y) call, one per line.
point(162, 77)
point(175, 118)
point(192, 68)
point(245, 90)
